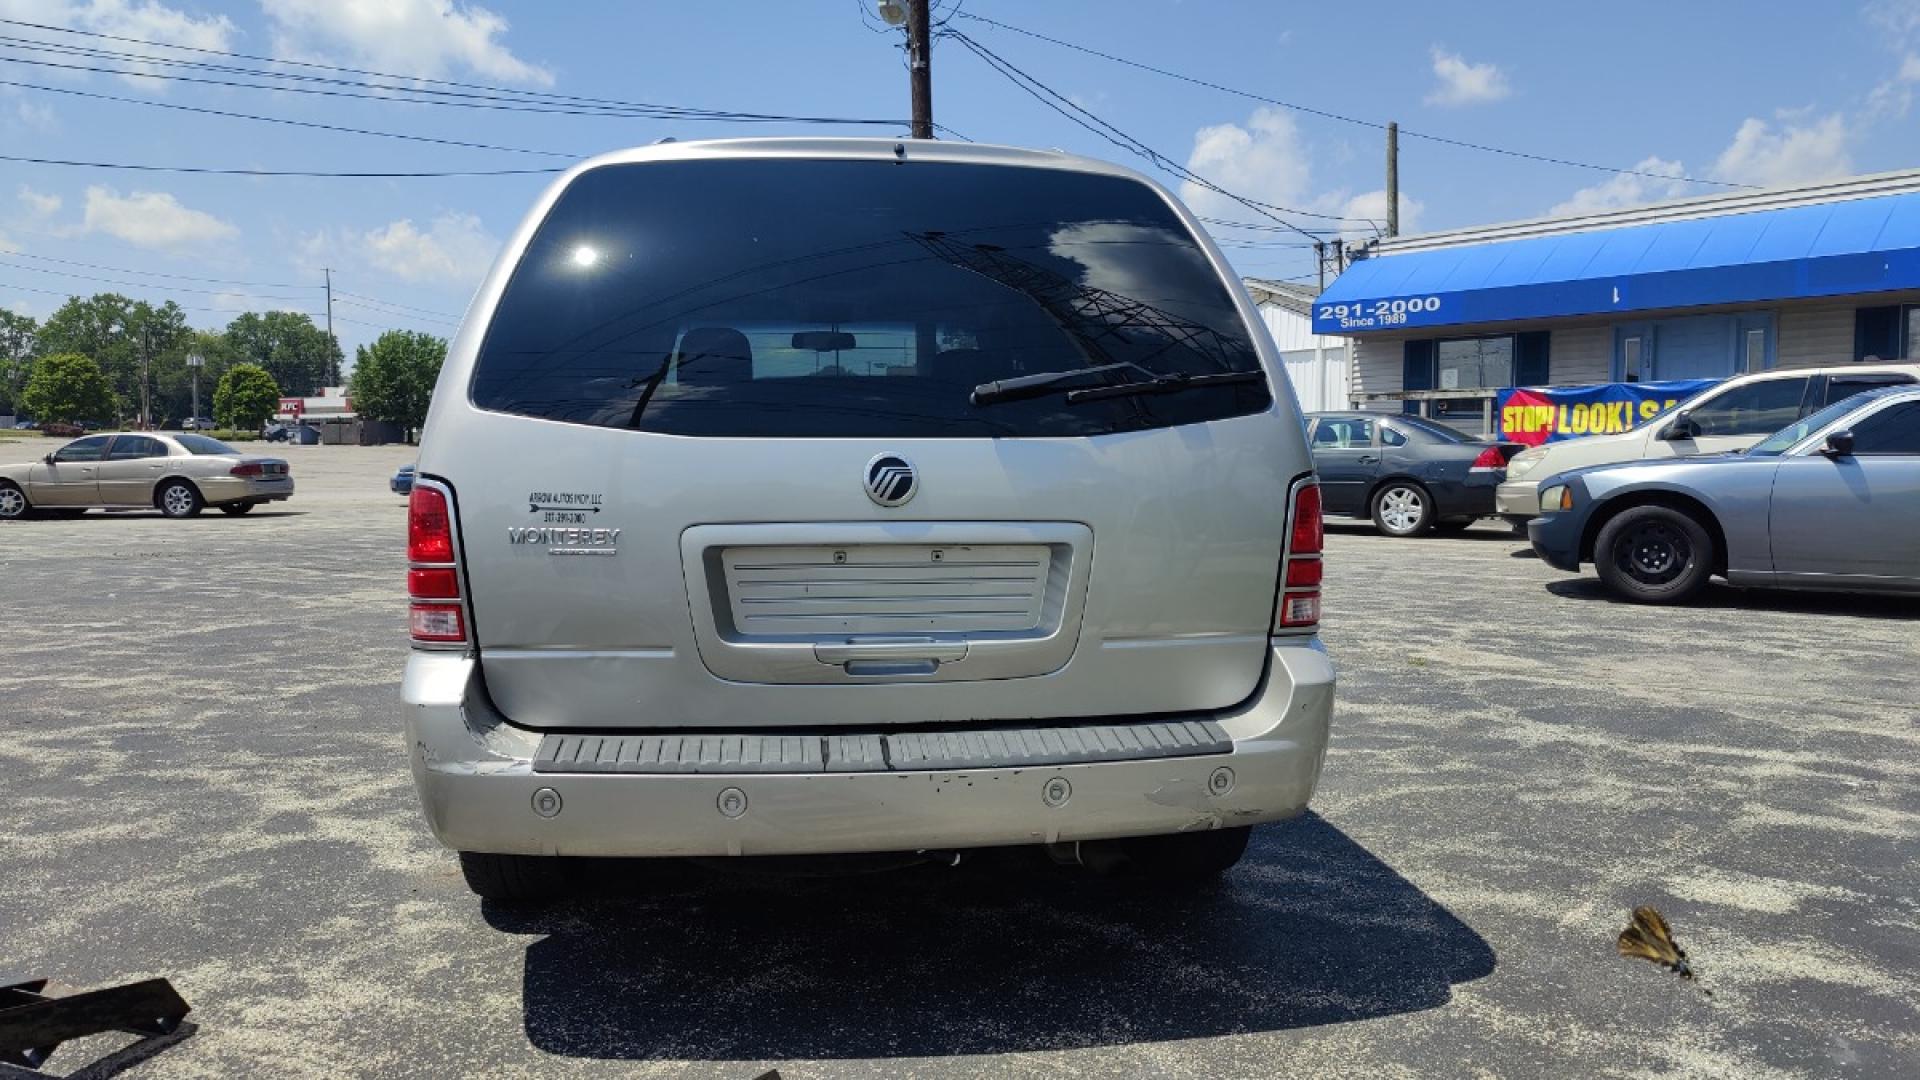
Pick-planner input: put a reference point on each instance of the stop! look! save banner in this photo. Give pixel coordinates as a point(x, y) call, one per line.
point(1542, 414)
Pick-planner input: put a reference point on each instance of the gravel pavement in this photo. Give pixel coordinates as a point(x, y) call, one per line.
point(202, 776)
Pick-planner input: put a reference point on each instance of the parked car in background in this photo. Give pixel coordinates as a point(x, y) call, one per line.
point(178, 475)
point(861, 524)
point(61, 429)
point(1829, 502)
point(197, 423)
point(1732, 415)
point(1406, 473)
point(402, 482)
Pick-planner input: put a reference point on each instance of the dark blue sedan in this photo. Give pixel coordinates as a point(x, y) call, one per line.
point(1407, 473)
point(402, 482)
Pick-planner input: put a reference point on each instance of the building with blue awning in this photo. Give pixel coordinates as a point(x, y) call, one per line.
point(1818, 275)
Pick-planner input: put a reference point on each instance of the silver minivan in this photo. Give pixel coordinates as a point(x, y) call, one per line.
point(797, 496)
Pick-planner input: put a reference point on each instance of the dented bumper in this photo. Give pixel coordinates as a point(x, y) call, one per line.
point(482, 790)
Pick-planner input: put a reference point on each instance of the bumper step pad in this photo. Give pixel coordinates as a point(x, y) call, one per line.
point(910, 752)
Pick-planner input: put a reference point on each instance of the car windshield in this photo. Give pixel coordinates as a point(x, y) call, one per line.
point(1787, 437)
point(201, 444)
point(855, 298)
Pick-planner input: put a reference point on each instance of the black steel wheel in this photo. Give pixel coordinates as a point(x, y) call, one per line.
point(1654, 555)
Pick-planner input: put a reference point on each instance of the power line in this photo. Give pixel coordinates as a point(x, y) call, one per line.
point(278, 172)
point(156, 273)
point(490, 97)
point(402, 307)
point(284, 120)
point(130, 284)
point(1296, 107)
point(406, 316)
point(1048, 96)
point(183, 307)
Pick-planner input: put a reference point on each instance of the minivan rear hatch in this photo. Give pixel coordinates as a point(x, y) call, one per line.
point(722, 462)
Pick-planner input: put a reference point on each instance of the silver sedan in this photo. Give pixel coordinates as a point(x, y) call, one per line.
point(1831, 502)
point(177, 473)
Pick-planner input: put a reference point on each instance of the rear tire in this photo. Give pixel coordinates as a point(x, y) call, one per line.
point(1402, 508)
point(179, 499)
point(1190, 858)
point(1654, 555)
point(513, 879)
point(236, 509)
point(13, 502)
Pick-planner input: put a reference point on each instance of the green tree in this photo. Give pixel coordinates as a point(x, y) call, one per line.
point(393, 378)
point(299, 355)
point(67, 387)
point(18, 335)
point(131, 340)
point(96, 327)
point(246, 396)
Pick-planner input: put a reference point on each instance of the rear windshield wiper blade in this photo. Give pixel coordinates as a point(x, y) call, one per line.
point(1055, 382)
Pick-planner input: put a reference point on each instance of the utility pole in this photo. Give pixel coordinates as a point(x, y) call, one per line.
point(146, 399)
point(194, 363)
point(1320, 260)
point(1393, 179)
point(920, 67)
point(330, 338)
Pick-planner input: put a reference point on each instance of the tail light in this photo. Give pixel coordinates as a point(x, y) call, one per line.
point(437, 613)
point(1298, 609)
point(1489, 460)
point(247, 468)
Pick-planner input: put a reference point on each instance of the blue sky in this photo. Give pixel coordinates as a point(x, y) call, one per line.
point(1741, 93)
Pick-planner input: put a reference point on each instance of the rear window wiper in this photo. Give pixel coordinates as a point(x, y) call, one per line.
point(1056, 382)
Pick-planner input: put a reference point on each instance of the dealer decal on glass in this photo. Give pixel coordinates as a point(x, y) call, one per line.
point(1376, 314)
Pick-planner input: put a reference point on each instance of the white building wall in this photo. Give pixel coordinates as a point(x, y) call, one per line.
point(1316, 364)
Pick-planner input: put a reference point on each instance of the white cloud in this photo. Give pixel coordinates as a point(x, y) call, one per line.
point(152, 219)
point(1372, 205)
point(39, 204)
point(147, 20)
point(1267, 161)
point(36, 117)
point(1263, 161)
point(1624, 189)
point(1463, 83)
point(7, 247)
point(420, 38)
point(455, 248)
point(1787, 151)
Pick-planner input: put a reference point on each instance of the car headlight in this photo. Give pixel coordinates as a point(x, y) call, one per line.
point(1556, 498)
point(1523, 463)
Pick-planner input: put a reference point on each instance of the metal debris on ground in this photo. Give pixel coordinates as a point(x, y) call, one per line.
point(34, 1021)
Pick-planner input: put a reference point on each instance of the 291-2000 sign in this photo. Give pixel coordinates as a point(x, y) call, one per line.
point(1378, 312)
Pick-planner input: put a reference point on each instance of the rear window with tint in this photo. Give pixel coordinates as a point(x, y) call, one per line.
point(858, 299)
point(201, 445)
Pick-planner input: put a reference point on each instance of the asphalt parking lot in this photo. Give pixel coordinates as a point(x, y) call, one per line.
point(202, 777)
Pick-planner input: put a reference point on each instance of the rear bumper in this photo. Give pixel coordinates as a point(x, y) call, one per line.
point(1517, 500)
point(478, 787)
point(223, 489)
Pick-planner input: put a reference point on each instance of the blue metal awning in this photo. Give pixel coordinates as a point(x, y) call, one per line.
point(1823, 249)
